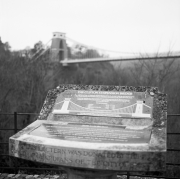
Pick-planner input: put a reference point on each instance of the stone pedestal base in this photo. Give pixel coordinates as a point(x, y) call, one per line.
point(84, 174)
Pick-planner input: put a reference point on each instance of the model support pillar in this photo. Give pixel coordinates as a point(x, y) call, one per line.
point(64, 108)
point(139, 111)
point(58, 47)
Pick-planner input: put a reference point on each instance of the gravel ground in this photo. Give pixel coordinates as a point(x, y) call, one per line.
point(62, 176)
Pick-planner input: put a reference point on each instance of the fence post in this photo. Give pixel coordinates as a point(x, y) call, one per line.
point(15, 131)
point(128, 175)
point(15, 122)
point(28, 119)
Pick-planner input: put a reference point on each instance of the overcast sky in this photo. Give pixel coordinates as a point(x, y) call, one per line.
point(123, 25)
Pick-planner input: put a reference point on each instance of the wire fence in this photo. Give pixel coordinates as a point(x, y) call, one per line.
point(173, 151)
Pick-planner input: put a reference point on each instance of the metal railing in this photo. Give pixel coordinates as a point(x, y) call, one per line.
point(128, 174)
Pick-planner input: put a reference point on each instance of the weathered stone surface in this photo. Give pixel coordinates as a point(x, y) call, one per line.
point(41, 176)
point(3, 175)
point(10, 176)
point(22, 176)
point(56, 176)
point(18, 176)
point(29, 177)
point(100, 134)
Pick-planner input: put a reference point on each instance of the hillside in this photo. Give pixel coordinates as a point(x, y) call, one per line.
point(25, 82)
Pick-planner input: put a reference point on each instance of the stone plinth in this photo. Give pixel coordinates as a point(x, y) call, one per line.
point(97, 129)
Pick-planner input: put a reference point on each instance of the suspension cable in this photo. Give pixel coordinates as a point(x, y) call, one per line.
point(92, 47)
point(40, 50)
point(42, 53)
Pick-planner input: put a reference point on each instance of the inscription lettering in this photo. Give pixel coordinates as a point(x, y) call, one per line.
point(114, 160)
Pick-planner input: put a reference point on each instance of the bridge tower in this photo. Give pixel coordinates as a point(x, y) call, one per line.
point(139, 111)
point(59, 50)
point(64, 108)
